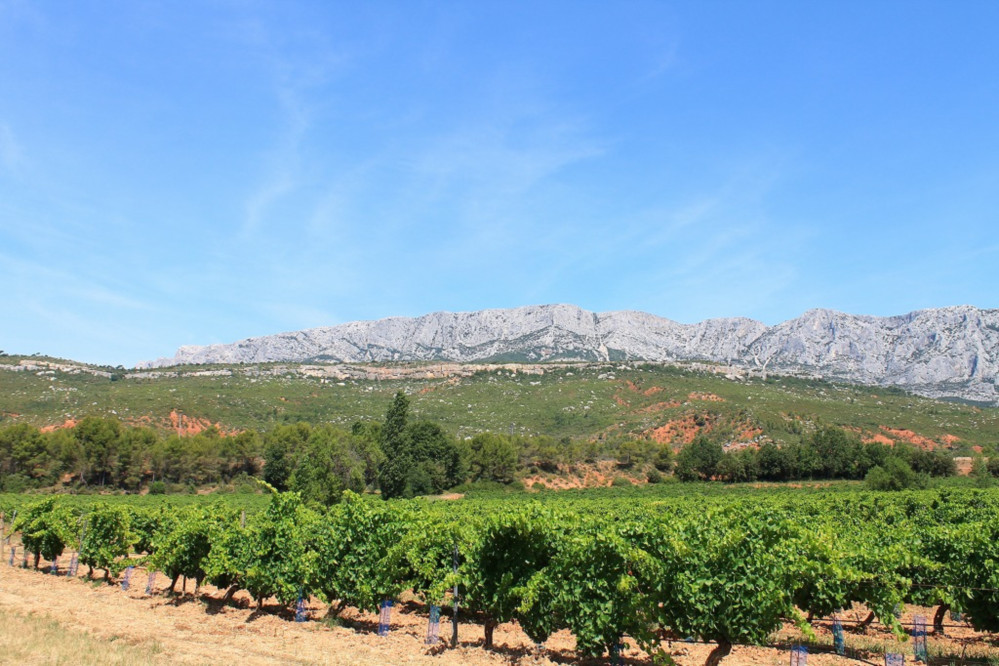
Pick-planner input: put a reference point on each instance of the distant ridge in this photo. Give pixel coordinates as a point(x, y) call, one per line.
point(948, 352)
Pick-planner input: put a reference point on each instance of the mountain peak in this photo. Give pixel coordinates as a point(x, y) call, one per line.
point(946, 352)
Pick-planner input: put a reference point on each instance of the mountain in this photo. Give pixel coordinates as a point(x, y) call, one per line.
point(942, 353)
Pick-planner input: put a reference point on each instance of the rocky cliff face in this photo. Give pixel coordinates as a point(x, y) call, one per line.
point(947, 352)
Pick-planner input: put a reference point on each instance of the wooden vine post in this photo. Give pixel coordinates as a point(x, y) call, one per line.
point(454, 616)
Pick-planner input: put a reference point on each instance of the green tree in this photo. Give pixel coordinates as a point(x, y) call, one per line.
point(980, 473)
point(368, 437)
point(27, 458)
point(894, 475)
point(100, 439)
point(331, 464)
point(835, 453)
point(633, 452)
point(699, 460)
point(241, 452)
point(663, 460)
point(434, 450)
point(281, 449)
point(739, 466)
point(420, 458)
point(396, 420)
point(772, 462)
point(134, 457)
point(398, 464)
point(493, 458)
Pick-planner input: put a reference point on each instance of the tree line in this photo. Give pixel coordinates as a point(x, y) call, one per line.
point(403, 457)
point(828, 453)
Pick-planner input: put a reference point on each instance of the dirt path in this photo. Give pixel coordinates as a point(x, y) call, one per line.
point(191, 631)
point(197, 631)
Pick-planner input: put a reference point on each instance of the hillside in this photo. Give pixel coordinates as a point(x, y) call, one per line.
point(667, 402)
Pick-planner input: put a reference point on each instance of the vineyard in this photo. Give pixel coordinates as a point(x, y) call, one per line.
point(627, 576)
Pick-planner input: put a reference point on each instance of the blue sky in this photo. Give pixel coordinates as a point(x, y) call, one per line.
point(186, 173)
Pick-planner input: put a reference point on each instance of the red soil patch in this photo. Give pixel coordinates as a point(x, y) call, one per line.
point(192, 425)
point(963, 464)
point(682, 430)
point(592, 475)
point(649, 392)
point(658, 407)
point(707, 397)
point(749, 433)
point(911, 437)
point(892, 436)
point(68, 423)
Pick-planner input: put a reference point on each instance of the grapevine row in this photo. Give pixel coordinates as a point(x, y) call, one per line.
point(725, 572)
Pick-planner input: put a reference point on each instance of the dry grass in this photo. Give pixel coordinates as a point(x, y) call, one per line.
point(36, 639)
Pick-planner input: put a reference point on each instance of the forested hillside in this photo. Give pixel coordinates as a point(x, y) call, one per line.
point(564, 399)
point(73, 426)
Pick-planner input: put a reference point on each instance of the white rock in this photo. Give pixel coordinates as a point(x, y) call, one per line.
point(946, 352)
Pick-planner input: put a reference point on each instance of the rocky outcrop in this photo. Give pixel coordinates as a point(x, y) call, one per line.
point(947, 352)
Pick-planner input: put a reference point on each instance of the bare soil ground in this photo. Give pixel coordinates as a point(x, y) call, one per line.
point(198, 630)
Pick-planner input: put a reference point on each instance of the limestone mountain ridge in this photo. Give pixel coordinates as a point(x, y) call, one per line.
point(950, 352)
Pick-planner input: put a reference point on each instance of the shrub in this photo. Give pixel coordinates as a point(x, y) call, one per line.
point(894, 475)
point(980, 473)
point(664, 459)
point(15, 483)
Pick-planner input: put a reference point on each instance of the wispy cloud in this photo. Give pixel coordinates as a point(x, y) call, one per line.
point(294, 79)
point(39, 280)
